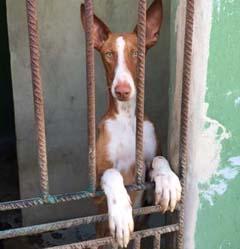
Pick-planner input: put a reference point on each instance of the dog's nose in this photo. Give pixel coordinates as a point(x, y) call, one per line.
point(122, 90)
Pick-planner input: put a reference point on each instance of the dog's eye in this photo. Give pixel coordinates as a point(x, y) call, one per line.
point(134, 53)
point(109, 54)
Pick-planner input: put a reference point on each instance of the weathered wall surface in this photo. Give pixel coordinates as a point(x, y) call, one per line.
point(63, 72)
point(219, 195)
point(212, 200)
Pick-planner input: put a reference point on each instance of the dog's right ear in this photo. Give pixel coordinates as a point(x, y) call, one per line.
point(153, 22)
point(100, 29)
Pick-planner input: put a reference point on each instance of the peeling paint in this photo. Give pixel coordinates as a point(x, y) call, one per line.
point(209, 146)
point(235, 161)
point(218, 3)
point(237, 102)
point(213, 190)
point(229, 93)
point(225, 245)
point(228, 173)
point(220, 184)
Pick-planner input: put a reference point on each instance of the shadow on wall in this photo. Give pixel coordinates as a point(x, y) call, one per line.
point(8, 165)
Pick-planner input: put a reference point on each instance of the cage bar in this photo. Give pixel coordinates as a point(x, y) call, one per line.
point(33, 33)
point(91, 95)
point(157, 241)
point(141, 34)
point(137, 242)
point(187, 62)
point(54, 226)
point(54, 199)
point(109, 240)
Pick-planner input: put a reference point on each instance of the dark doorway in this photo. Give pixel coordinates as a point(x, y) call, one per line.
point(9, 189)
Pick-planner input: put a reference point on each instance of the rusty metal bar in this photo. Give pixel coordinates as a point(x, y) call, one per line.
point(54, 199)
point(141, 35)
point(187, 64)
point(157, 241)
point(137, 242)
point(54, 226)
point(20, 204)
point(114, 245)
point(110, 240)
point(91, 98)
point(31, 6)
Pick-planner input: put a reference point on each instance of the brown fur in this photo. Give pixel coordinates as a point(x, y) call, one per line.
point(105, 43)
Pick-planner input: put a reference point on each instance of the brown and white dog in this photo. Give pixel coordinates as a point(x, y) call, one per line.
point(116, 132)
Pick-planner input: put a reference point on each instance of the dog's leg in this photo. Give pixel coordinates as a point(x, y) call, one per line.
point(167, 185)
point(102, 229)
point(121, 223)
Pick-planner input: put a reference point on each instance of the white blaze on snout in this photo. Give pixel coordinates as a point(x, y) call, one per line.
point(122, 73)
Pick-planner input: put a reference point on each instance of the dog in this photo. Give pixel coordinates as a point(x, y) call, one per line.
point(115, 146)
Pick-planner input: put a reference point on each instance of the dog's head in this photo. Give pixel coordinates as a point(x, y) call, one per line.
point(119, 51)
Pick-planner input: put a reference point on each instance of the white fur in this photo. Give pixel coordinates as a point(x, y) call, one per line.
point(121, 151)
point(167, 185)
point(122, 73)
point(119, 206)
point(122, 144)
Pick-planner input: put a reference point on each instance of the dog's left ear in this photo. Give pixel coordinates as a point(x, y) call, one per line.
point(100, 29)
point(153, 23)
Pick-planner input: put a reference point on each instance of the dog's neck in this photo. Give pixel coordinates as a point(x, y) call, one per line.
point(125, 108)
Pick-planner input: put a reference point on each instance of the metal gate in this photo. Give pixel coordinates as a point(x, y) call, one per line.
point(46, 197)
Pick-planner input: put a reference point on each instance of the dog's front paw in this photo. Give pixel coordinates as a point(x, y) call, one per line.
point(120, 218)
point(121, 223)
point(167, 185)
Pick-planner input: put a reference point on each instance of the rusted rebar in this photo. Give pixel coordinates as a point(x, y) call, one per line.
point(187, 65)
point(141, 35)
point(110, 240)
point(157, 241)
point(137, 242)
point(91, 94)
point(37, 94)
point(54, 226)
point(54, 199)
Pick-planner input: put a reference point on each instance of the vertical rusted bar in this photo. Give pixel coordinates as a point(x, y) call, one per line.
point(91, 94)
point(141, 34)
point(115, 245)
point(37, 93)
point(157, 242)
point(137, 243)
point(185, 113)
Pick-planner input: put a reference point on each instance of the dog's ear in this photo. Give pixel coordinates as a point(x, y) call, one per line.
point(100, 29)
point(153, 23)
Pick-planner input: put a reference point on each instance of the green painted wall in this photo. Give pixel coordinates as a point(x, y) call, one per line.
point(213, 200)
point(218, 223)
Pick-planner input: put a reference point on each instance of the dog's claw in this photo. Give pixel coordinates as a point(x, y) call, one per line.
point(121, 223)
point(167, 185)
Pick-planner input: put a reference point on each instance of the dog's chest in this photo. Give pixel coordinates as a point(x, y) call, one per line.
point(122, 145)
